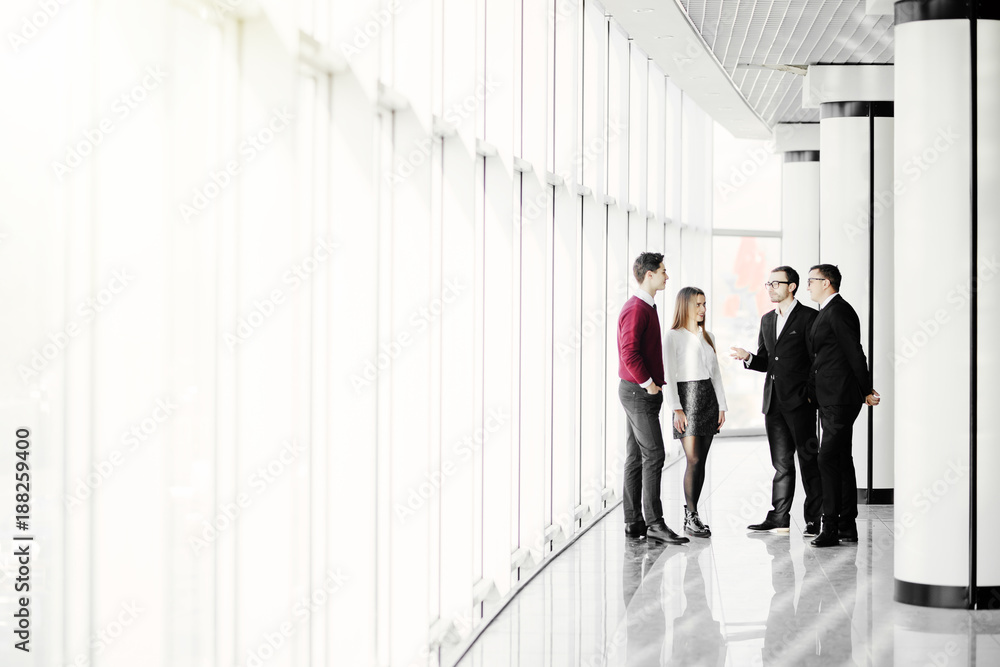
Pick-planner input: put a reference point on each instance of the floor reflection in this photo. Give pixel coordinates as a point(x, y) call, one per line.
point(736, 599)
point(642, 592)
point(819, 630)
point(692, 636)
point(697, 635)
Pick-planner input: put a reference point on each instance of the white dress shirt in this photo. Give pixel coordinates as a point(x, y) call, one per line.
point(827, 300)
point(779, 324)
point(781, 319)
point(689, 357)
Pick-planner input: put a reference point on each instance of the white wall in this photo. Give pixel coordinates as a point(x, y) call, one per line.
point(388, 362)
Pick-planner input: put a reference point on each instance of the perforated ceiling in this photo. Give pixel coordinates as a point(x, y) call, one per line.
point(753, 37)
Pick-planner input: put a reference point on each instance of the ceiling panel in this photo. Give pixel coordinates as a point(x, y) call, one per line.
point(753, 37)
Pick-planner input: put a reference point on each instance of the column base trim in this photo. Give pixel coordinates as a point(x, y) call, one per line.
point(988, 597)
point(928, 595)
point(876, 497)
point(856, 110)
point(801, 156)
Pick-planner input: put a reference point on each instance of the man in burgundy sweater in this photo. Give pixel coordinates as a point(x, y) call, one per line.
point(640, 367)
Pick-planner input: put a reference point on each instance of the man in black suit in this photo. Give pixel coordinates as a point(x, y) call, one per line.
point(840, 383)
point(789, 417)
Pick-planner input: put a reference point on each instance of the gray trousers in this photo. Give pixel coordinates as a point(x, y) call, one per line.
point(644, 454)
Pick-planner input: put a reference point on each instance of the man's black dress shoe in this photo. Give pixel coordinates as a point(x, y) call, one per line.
point(769, 525)
point(637, 529)
point(660, 532)
point(848, 533)
point(812, 529)
point(827, 536)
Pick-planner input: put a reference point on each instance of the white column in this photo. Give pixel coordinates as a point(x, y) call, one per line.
point(799, 142)
point(988, 313)
point(946, 175)
point(856, 218)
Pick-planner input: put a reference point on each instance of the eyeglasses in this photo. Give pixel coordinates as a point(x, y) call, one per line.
point(774, 283)
point(809, 280)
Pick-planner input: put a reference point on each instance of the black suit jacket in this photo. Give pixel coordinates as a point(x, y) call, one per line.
point(839, 374)
point(784, 359)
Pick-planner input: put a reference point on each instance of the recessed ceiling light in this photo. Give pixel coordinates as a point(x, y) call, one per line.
point(665, 37)
point(643, 10)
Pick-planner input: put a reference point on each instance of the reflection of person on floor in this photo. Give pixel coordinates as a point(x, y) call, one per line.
point(827, 606)
point(819, 630)
point(698, 638)
point(644, 621)
point(780, 629)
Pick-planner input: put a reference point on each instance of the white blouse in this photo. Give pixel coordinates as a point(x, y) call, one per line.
point(688, 357)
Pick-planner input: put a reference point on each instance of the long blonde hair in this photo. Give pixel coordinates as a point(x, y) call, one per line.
point(685, 297)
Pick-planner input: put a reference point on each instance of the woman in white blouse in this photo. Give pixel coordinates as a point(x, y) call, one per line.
point(694, 392)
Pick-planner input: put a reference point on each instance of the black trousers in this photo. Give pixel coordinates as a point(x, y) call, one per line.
point(789, 433)
point(644, 454)
point(836, 462)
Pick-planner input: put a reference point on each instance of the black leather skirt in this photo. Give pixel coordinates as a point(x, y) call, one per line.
point(700, 406)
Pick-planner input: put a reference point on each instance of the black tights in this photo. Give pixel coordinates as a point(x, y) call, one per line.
point(696, 450)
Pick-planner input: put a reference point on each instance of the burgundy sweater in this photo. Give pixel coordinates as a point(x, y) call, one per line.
point(640, 348)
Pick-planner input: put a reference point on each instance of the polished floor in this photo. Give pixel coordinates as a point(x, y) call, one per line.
point(737, 598)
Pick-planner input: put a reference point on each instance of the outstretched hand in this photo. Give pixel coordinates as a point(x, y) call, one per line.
point(739, 353)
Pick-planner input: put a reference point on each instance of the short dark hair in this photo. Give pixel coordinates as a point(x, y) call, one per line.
point(647, 261)
point(791, 274)
point(830, 272)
